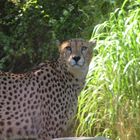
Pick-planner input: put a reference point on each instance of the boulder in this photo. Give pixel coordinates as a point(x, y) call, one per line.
point(82, 138)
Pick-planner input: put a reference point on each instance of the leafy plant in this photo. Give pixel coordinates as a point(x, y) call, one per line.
point(31, 28)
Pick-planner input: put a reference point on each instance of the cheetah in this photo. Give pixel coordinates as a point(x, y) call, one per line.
point(41, 102)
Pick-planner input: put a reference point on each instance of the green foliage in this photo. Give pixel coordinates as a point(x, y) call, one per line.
point(29, 29)
point(110, 103)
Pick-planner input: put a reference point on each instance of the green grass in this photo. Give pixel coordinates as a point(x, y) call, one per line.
point(110, 103)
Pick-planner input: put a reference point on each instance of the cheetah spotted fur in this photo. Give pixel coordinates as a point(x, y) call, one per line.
point(41, 102)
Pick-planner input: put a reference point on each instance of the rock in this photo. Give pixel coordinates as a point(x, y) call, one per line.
point(82, 138)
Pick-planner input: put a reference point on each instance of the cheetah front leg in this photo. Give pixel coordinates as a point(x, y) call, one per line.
point(43, 135)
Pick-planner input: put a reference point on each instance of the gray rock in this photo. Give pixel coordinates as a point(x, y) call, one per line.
point(82, 138)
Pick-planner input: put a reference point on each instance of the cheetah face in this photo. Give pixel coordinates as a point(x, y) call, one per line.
point(77, 54)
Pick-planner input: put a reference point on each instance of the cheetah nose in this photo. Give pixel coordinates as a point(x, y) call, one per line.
point(76, 58)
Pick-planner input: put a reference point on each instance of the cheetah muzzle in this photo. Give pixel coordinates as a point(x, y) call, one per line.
point(41, 102)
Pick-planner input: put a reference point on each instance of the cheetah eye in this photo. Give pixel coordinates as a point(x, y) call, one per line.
point(84, 48)
point(69, 48)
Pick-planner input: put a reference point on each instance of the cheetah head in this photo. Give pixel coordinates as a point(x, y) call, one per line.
point(77, 54)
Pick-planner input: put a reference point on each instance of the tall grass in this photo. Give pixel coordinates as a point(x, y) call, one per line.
point(110, 103)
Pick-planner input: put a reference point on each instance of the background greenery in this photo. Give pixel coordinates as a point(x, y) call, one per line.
point(29, 29)
point(110, 103)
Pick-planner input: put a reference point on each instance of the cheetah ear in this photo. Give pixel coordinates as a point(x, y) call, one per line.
point(92, 43)
point(58, 44)
point(61, 45)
